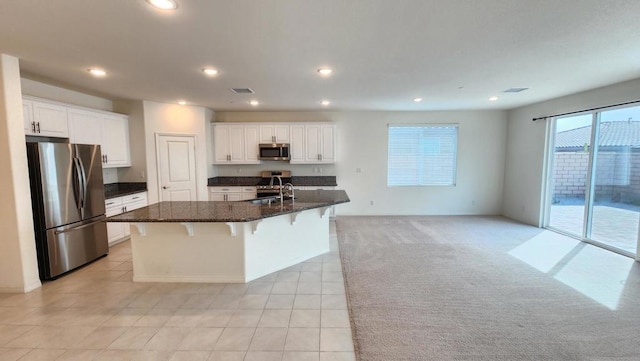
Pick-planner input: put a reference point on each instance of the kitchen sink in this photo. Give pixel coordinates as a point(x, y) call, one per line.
point(268, 200)
point(264, 200)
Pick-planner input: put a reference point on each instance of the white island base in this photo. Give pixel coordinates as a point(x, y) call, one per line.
point(233, 252)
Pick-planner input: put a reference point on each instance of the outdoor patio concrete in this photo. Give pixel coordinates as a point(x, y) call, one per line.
point(613, 226)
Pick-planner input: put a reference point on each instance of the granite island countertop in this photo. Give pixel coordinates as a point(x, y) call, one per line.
point(242, 211)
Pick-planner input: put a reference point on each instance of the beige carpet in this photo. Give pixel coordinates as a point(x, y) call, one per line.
point(446, 288)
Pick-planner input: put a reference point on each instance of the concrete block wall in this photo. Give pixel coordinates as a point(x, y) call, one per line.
point(617, 176)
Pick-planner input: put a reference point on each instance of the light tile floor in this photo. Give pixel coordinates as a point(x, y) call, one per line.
point(98, 313)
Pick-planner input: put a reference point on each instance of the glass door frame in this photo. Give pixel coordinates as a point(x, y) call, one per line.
point(590, 180)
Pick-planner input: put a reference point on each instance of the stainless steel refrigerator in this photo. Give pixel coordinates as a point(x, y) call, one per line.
point(67, 196)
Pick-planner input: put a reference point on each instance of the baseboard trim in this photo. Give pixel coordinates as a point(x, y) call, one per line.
point(190, 279)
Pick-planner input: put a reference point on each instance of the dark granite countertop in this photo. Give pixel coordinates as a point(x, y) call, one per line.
point(113, 190)
point(320, 181)
point(242, 211)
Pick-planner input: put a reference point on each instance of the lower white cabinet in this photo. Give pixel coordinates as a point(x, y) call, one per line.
point(231, 194)
point(118, 232)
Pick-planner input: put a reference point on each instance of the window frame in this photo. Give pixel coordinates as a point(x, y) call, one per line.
point(425, 126)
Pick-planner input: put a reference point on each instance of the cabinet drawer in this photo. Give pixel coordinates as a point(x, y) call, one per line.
point(137, 197)
point(113, 202)
point(225, 189)
point(248, 189)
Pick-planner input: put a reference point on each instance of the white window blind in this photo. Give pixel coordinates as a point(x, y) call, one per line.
point(421, 155)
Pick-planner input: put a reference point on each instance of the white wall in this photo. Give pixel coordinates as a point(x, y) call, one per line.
point(525, 160)
point(161, 118)
point(52, 92)
point(18, 261)
point(362, 143)
point(137, 172)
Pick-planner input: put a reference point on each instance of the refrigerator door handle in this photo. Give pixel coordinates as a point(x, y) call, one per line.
point(83, 183)
point(90, 224)
point(77, 184)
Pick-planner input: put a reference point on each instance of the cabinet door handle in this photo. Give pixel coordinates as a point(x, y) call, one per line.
point(165, 187)
point(110, 203)
point(33, 127)
point(106, 158)
point(273, 138)
point(135, 197)
point(38, 126)
point(318, 156)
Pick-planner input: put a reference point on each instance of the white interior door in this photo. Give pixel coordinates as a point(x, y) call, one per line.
point(176, 167)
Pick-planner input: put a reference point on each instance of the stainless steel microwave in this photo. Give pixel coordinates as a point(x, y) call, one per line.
point(274, 151)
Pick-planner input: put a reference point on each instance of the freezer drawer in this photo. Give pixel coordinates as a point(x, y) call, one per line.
point(72, 246)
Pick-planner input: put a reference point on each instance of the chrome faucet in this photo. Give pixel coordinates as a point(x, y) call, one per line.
point(279, 181)
point(288, 187)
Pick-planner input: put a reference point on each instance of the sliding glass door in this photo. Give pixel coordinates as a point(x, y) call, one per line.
point(595, 185)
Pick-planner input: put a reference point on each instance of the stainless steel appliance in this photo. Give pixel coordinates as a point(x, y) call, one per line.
point(274, 151)
point(268, 186)
point(67, 196)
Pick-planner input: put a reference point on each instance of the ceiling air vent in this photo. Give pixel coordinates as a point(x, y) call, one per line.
point(515, 90)
point(242, 90)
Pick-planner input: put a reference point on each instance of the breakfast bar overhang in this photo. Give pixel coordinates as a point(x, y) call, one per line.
point(228, 242)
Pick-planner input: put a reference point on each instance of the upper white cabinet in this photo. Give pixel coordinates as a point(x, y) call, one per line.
point(238, 143)
point(44, 119)
point(110, 131)
point(85, 127)
point(251, 143)
point(115, 140)
point(313, 143)
point(82, 126)
point(274, 133)
point(230, 144)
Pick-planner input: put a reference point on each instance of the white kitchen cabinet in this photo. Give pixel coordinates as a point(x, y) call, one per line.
point(229, 144)
point(313, 143)
point(251, 144)
point(249, 193)
point(110, 131)
point(235, 144)
point(85, 127)
point(45, 119)
point(115, 141)
point(274, 133)
point(116, 231)
point(296, 147)
point(231, 194)
point(27, 114)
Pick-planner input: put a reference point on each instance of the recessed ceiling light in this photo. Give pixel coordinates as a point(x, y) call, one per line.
point(254, 103)
point(210, 71)
point(182, 102)
point(325, 102)
point(97, 72)
point(493, 98)
point(163, 4)
point(417, 100)
point(325, 71)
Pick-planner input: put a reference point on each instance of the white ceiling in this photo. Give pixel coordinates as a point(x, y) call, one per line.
point(453, 53)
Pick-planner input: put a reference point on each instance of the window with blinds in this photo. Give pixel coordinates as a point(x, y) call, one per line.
point(422, 155)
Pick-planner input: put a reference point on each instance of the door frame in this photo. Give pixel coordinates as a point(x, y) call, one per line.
point(195, 158)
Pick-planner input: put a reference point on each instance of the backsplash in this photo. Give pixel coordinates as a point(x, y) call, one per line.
point(253, 170)
point(109, 175)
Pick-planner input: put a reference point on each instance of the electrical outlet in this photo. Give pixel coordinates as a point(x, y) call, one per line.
point(141, 174)
point(473, 203)
point(371, 202)
point(239, 170)
point(358, 170)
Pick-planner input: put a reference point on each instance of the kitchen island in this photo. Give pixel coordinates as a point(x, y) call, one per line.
point(228, 242)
